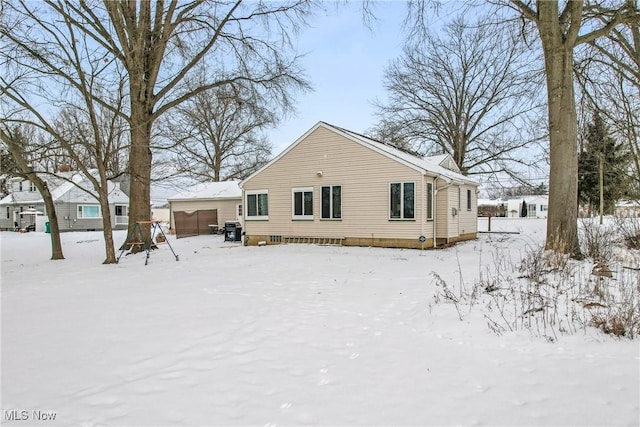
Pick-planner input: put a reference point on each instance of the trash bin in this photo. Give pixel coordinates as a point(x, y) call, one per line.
point(47, 227)
point(238, 234)
point(229, 231)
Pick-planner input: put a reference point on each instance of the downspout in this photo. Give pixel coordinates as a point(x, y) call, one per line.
point(424, 203)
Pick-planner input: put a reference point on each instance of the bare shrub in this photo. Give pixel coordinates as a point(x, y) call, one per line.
point(629, 230)
point(549, 295)
point(597, 240)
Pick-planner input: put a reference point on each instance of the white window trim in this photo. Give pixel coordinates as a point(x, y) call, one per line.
point(90, 217)
point(331, 218)
point(293, 207)
point(246, 203)
point(402, 183)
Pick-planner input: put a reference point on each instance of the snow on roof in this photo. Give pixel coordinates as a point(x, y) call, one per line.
point(211, 190)
point(490, 202)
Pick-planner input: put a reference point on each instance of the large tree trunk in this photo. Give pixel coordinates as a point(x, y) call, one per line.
point(107, 228)
point(140, 174)
point(54, 229)
point(562, 220)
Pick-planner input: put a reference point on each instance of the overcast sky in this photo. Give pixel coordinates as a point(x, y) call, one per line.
point(344, 62)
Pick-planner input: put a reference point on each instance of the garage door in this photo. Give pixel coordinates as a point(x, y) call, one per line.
point(194, 223)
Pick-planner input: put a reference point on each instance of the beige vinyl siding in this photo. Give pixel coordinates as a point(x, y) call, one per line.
point(469, 218)
point(325, 158)
point(443, 210)
point(453, 220)
point(226, 208)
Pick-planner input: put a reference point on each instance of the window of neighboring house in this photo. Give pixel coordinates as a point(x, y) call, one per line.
point(32, 186)
point(239, 210)
point(402, 197)
point(332, 202)
point(258, 204)
point(543, 208)
point(20, 186)
point(89, 211)
point(468, 200)
point(121, 210)
point(8, 212)
point(531, 210)
point(429, 201)
point(302, 203)
point(459, 198)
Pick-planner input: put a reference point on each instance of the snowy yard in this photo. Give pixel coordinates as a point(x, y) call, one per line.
point(287, 335)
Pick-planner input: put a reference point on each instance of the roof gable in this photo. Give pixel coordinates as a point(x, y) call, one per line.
point(437, 166)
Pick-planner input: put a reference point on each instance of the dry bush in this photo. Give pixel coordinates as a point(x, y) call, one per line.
point(550, 295)
point(597, 240)
point(629, 230)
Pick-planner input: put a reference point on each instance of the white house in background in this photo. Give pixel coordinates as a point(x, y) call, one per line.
point(537, 206)
point(76, 209)
point(205, 207)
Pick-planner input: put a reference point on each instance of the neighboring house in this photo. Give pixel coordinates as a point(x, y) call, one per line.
point(204, 207)
point(76, 209)
point(627, 208)
point(537, 206)
point(336, 186)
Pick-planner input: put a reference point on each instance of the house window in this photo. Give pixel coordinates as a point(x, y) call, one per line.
point(121, 210)
point(402, 196)
point(543, 208)
point(239, 206)
point(258, 204)
point(8, 212)
point(458, 198)
point(468, 200)
point(302, 203)
point(32, 187)
point(20, 186)
point(531, 210)
point(429, 201)
point(332, 202)
point(89, 211)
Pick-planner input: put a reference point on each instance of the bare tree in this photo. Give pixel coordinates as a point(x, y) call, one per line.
point(561, 30)
point(217, 135)
point(467, 93)
point(160, 46)
point(18, 143)
point(608, 77)
point(49, 60)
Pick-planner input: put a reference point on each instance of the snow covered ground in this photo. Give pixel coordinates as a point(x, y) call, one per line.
point(287, 335)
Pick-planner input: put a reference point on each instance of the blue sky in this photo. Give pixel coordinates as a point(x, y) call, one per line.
point(345, 62)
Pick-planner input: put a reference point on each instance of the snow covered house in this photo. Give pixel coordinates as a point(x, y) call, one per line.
point(537, 206)
point(336, 186)
point(204, 207)
point(77, 210)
